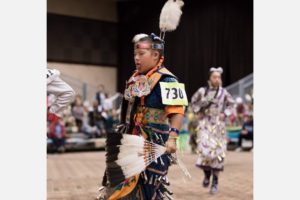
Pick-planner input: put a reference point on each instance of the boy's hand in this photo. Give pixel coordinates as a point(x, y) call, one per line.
point(171, 145)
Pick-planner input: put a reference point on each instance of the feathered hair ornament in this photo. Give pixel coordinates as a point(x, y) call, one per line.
point(170, 16)
point(213, 69)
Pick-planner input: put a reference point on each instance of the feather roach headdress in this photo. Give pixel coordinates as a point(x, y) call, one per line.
point(128, 155)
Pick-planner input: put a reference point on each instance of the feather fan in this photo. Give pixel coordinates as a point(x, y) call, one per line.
point(128, 155)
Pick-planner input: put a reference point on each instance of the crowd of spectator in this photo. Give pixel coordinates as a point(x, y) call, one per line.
point(97, 118)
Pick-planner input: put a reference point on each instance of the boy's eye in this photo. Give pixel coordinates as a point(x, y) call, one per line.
point(140, 53)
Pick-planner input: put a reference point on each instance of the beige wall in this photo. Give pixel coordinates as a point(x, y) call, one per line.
point(91, 74)
point(105, 10)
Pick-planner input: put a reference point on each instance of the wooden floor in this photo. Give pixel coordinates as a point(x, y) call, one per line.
point(77, 176)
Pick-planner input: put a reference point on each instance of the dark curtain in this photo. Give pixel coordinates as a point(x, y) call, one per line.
point(211, 33)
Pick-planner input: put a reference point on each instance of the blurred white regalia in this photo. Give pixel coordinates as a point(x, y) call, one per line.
point(212, 105)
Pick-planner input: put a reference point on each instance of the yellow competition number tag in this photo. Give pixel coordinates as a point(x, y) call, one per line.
point(173, 93)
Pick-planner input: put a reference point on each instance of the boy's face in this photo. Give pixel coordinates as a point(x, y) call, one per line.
point(144, 57)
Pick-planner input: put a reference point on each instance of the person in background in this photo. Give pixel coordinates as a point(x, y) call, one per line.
point(96, 119)
point(246, 132)
point(78, 111)
point(249, 103)
point(70, 125)
point(232, 119)
point(91, 130)
point(240, 111)
point(100, 95)
point(212, 104)
point(57, 134)
point(111, 121)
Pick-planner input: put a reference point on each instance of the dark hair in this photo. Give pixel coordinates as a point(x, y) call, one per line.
point(210, 73)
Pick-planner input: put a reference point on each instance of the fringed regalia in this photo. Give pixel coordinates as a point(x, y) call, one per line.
point(146, 116)
point(149, 100)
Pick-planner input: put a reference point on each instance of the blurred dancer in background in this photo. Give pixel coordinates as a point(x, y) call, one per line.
point(210, 104)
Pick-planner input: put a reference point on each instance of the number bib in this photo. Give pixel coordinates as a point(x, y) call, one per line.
point(173, 93)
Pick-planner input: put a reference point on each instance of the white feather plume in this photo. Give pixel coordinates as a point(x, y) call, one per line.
point(139, 36)
point(170, 15)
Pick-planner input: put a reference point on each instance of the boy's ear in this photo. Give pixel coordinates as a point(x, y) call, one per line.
point(156, 54)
